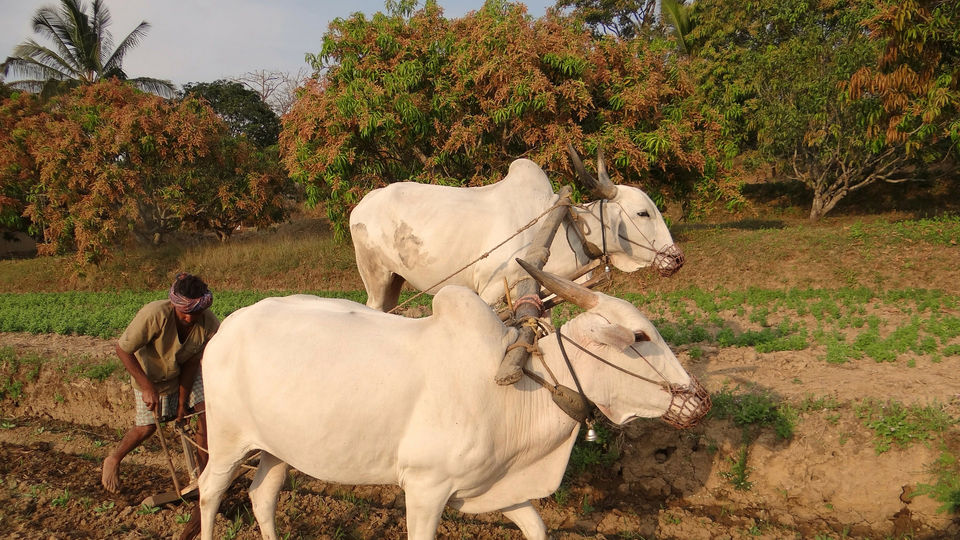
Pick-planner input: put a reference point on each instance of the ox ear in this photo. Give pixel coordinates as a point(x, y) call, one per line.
point(614, 335)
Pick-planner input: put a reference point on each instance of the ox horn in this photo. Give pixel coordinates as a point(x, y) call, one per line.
point(603, 186)
point(564, 288)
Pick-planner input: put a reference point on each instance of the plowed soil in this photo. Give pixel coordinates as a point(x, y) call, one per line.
point(826, 481)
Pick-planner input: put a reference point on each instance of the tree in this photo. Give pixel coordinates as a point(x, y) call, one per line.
point(17, 166)
point(778, 71)
point(241, 108)
point(277, 89)
point(916, 76)
point(456, 101)
point(106, 160)
point(82, 51)
point(623, 18)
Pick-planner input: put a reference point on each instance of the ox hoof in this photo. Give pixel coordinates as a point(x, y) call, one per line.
point(508, 375)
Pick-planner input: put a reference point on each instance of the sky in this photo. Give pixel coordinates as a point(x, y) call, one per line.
point(206, 40)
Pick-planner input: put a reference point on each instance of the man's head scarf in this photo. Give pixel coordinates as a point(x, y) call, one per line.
point(189, 305)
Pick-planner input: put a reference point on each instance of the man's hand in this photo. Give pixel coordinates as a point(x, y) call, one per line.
point(181, 411)
point(151, 397)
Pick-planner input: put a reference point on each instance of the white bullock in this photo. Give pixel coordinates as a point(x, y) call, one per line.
point(348, 394)
point(421, 233)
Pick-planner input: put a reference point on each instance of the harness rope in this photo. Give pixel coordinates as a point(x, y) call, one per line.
point(561, 202)
point(680, 413)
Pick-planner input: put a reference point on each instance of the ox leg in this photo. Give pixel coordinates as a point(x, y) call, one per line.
point(528, 519)
point(383, 289)
point(382, 284)
point(213, 482)
point(264, 491)
point(424, 507)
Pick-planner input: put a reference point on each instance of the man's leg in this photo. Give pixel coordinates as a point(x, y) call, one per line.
point(110, 477)
point(197, 403)
point(201, 436)
point(143, 428)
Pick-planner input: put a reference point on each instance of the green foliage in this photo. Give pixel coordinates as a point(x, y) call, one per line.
point(103, 161)
point(100, 372)
point(62, 499)
point(895, 423)
point(146, 510)
point(754, 409)
point(241, 108)
point(106, 314)
point(914, 75)
point(946, 486)
point(779, 71)
point(739, 473)
point(454, 102)
point(600, 453)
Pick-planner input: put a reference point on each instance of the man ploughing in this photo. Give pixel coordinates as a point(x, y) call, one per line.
point(161, 349)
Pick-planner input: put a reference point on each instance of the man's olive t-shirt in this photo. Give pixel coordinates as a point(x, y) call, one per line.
point(152, 338)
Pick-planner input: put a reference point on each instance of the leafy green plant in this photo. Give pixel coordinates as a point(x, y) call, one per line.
point(61, 500)
point(946, 486)
point(895, 423)
point(104, 507)
point(739, 473)
point(754, 409)
point(100, 372)
point(146, 509)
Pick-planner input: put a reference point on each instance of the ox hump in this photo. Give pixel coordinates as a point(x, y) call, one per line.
point(461, 307)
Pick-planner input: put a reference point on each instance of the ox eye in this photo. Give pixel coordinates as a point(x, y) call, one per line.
point(643, 214)
point(640, 336)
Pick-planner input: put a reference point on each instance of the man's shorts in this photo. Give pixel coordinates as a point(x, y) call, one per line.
point(168, 403)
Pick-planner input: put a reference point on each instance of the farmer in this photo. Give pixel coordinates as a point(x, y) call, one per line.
point(161, 349)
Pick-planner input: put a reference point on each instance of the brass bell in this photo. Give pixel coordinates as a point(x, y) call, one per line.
point(591, 434)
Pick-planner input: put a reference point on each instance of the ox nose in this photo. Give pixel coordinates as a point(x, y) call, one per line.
point(688, 406)
point(668, 260)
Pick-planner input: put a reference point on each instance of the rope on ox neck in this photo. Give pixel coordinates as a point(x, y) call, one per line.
point(576, 405)
point(561, 202)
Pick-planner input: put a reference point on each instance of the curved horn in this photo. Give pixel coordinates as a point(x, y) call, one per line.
point(603, 188)
point(604, 184)
point(564, 288)
point(586, 180)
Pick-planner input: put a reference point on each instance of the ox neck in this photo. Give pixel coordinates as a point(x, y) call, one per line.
point(599, 211)
point(555, 372)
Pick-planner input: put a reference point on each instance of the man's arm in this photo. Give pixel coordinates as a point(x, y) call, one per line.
point(188, 373)
point(150, 395)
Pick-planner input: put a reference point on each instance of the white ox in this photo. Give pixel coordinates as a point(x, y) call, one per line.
point(348, 394)
point(421, 233)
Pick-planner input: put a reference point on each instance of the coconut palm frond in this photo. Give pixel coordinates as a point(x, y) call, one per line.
point(31, 69)
point(129, 42)
point(160, 87)
point(47, 23)
point(82, 50)
point(35, 53)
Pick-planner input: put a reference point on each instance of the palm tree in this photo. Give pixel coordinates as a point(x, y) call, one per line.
point(80, 53)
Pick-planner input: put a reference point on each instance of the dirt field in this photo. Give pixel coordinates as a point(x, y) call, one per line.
point(827, 481)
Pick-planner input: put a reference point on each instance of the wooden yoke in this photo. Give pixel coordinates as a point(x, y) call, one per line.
point(537, 254)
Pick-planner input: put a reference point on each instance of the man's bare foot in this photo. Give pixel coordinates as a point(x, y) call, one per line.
point(110, 478)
